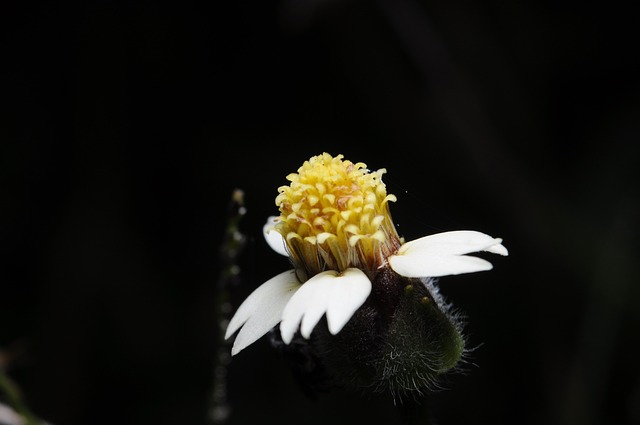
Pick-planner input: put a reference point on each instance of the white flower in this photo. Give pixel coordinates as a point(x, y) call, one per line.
point(336, 228)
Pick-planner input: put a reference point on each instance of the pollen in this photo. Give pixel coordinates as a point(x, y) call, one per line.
point(334, 214)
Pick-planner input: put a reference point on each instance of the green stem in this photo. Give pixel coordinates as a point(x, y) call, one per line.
point(9, 389)
point(234, 241)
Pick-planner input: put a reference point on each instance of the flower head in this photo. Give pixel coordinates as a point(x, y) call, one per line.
point(335, 215)
point(386, 323)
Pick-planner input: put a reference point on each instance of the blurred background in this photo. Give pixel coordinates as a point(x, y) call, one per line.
point(126, 127)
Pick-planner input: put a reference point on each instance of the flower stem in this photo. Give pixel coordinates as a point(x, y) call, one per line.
point(230, 250)
point(12, 394)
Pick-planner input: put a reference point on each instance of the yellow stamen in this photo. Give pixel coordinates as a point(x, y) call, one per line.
point(335, 214)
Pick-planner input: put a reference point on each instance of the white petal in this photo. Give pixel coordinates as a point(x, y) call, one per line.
point(456, 242)
point(346, 297)
point(430, 265)
point(498, 248)
point(308, 300)
point(312, 304)
point(9, 416)
point(262, 310)
point(273, 238)
point(338, 295)
point(443, 254)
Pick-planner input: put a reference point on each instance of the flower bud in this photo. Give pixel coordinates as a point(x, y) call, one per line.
point(403, 339)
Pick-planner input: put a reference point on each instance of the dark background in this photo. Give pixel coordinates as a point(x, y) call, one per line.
point(126, 126)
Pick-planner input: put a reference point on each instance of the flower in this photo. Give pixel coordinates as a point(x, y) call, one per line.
point(350, 264)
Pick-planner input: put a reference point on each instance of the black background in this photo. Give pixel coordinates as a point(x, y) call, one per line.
point(125, 127)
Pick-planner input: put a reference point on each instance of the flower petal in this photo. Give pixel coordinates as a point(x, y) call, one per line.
point(274, 238)
point(316, 299)
point(337, 295)
point(443, 254)
point(418, 264)
point(456, 242)
point(309, 300)
point(262, 310)
point(346, 298)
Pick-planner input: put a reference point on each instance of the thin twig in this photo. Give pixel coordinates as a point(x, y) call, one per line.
point(230, 250)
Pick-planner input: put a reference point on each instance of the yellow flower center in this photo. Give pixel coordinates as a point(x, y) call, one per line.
point(335, 215)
